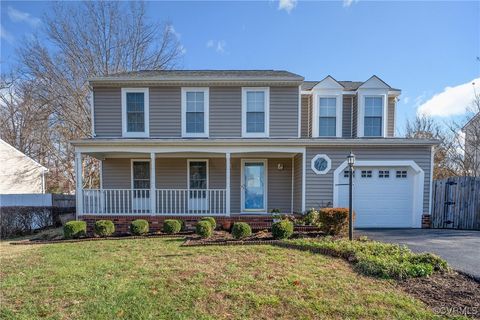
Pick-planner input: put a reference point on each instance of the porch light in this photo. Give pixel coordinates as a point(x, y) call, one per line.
point(351, 163)
point(280, 166)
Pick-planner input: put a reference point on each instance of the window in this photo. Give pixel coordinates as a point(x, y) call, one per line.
point(366, 173)
point(401, 174)
point(346, 174)
point(327, 117)
point(321, 164)
point(195, 106)
point(384, 174)
point(197, 178)
point(135, 122)
point(373, 116)
point(141, 178)
point(255, 112)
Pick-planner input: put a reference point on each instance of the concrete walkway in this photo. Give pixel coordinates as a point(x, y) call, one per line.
point(460, 248)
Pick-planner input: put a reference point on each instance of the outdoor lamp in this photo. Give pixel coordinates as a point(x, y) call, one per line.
point(351, 163)
point(351, 159)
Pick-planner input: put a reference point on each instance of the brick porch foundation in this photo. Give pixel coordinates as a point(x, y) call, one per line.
point(122, 223)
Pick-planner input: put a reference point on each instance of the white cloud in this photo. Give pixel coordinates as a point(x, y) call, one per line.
point(451, 101)
point(406, 100)
point(218, 46)
point(5, 35)
point(287, 5)
point(172, 30)
point(20, 16)
point(348, 3)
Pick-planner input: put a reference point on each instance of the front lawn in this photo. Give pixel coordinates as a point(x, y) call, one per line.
point(157, 279)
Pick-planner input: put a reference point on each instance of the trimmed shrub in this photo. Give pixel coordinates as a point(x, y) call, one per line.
point(311, 218)
point(171, 226)
point(211, 220)
point(282, 229)
point(183, 225)
point(204, 229)
point(104, 228)
point(334, 221)
point(75, 229)
point(241, 230)
point(139, 227)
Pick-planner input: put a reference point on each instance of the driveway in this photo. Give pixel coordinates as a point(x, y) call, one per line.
point(460, 248)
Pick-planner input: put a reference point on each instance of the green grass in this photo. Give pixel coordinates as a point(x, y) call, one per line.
point(158, 279)
point(379, 259)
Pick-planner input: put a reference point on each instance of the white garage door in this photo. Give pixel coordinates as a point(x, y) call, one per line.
point(382, 197)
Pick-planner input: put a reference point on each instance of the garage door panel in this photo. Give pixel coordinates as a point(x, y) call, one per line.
point(380, 202)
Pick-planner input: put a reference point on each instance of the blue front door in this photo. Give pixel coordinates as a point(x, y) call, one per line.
point(254, 186)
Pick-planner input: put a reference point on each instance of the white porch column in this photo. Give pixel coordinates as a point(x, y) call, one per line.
point(78, 183)
point(227, 182)
point(153, 208)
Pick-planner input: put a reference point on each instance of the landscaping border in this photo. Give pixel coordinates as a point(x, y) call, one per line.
point(190, 243)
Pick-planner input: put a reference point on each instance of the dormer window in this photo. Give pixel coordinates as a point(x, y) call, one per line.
point(255, 112)
point(135, 106)
point(373, 116)
point(195, 106)
point(327, 117)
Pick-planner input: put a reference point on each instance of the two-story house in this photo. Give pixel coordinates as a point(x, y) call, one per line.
point(237, 144)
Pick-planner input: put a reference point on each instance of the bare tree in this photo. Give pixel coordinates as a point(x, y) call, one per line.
point(80, 41)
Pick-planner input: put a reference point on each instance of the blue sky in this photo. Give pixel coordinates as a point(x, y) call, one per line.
point(419, 47)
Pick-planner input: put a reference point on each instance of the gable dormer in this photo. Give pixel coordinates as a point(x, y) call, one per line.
point(327, 108)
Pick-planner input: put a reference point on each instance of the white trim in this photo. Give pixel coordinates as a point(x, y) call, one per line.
point(206, 112)
point(419, 181)
point(227, 182)
point(338, 112)
point(292, 171)
point(79, 182)
point(146, 114)
point(153, 187)
point(326, 158)
point(299, 111)
point(242, 186)
point(101, 174)
point(92, 110)
point(265, 134)
point(304, 180)
point(432, 157)
point(188, 171)
point(131, 172)
point(363, 93)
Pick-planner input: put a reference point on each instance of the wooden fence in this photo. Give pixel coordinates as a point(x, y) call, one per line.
point(456, 203)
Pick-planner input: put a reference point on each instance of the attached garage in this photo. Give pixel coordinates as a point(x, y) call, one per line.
point(385, 194)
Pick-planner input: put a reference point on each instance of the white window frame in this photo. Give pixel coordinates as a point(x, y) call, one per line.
point(188, 172)
point(361, 111)
point(206, 112)
point(338, 113)
point(326, 158)
point(266, 133)
point(131, 172)
point(146, 115)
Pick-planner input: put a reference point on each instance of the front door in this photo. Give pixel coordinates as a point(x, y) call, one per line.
point(141, 186)
point(198, 185)
point(254, 186)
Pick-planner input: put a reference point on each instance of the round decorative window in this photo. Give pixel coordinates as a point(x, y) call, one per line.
point(321, 164)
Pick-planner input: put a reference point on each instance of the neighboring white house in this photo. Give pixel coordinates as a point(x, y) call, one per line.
point(19, 173)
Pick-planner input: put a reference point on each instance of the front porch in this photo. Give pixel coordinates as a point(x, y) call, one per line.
point(193, 184)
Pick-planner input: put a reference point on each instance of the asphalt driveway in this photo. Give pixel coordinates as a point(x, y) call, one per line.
point(460, 248)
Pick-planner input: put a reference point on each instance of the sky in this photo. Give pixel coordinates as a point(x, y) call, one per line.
point(428, 49)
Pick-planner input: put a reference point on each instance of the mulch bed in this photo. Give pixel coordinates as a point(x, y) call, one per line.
point(446, 294)
point(91, 238)
point(261, 237)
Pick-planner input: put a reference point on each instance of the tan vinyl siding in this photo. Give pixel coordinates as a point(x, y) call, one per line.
point(165, 112)
point(284, 112)
point(347, 116)
point(107, 112)
point(310, 115)
point(171, 173)
point(320, 187)
point(116, 174)
point(355, 116)
point(235, 182)
point(305, 116)
point(391, 117)
point(297, 183)
point(279, 187)
point(225, 112)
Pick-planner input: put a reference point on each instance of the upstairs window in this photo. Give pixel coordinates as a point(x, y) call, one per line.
point(195, 112)
point(373, 116)
point(255, 112)
point(327, 122)
point(135, 112)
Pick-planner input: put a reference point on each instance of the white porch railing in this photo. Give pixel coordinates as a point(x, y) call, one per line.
point(167, 202)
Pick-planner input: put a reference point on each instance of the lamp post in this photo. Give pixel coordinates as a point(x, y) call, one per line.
point(351, 163)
